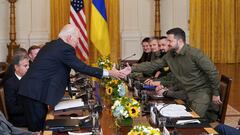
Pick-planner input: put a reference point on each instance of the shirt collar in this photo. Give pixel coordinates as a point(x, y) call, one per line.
point(183, 50)
point(19, 77)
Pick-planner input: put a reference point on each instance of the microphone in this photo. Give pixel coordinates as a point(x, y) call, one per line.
point(128, 57)
point(121, 62)
point(156, 112)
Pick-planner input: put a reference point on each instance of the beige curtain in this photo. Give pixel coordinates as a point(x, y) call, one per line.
point(60, 16)
point(214, 29)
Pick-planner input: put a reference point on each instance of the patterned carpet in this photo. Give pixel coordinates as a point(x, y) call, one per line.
point(232, 116)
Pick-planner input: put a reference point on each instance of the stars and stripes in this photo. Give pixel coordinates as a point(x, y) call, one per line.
point(77, 17)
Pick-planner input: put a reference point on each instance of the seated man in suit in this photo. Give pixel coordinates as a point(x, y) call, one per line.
point(10, 70)
point(33, 51)
point(14, 108)
point(223, 129)
point(6, 128)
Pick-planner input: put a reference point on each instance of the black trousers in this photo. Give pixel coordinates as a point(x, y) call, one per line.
point(35, 113)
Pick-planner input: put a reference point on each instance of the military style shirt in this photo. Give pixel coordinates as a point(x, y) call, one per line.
point(194, 70)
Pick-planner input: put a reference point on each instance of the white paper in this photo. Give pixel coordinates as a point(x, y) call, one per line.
point(79, 118)
point(69, 104)
point(182, 122)
point(72, 88)
point(173, 110)
point(86, 133)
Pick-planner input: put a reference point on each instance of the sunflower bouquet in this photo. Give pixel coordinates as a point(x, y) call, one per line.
point(105, 63)
point(125, 108)
point(116, 88)
point(144, 130)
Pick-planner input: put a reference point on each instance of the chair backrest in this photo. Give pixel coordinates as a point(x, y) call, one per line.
point(2, 103)
point(225, 86)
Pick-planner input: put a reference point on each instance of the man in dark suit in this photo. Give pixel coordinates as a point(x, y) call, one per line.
point(32, 52)
point(10, 70)
point(15, 110)
point(45, 82)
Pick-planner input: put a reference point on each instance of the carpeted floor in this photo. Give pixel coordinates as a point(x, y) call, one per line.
point(232, 116)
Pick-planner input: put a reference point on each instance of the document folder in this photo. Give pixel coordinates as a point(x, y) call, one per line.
point(62, 125)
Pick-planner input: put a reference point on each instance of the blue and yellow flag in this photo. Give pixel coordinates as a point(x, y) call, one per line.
point(99, 30)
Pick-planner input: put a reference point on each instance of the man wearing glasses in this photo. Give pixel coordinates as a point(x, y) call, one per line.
point(11, 86)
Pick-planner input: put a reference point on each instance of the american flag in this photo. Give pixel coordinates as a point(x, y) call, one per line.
point(77, 17)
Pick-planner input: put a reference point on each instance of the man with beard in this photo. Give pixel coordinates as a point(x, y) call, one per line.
point(194, 70)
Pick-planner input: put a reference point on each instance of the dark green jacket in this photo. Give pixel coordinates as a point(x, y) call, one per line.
point(194, 70)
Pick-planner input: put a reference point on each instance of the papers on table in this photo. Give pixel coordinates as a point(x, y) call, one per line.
point(72, 88)
point(86, 133)
point(173, 110)
point(74, 103)
point(183, 122)
point(79, 118)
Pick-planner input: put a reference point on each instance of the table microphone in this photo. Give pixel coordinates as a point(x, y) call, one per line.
point(121, 61)
point(128, 57)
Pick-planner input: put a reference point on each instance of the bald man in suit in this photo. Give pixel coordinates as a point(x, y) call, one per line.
point(45, 82)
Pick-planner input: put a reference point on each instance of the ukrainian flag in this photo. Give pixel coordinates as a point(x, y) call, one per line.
point(99, 30)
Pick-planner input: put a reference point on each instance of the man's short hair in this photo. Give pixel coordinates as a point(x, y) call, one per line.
point(178, 33)
point(162, 37)
point(153, 38)
point(17, 58)
point(33, 48)
point(146, 39)
point(20, 51)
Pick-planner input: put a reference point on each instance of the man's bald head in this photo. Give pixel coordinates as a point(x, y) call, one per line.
point(70, 34)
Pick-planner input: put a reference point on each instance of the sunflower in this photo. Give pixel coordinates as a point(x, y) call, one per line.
point(133, 111)
point(115, 81)
point(155, 132)
point(138, 133)
point(129, 104)
point(109, 90)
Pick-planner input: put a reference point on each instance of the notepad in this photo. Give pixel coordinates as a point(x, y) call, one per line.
point(74, 103)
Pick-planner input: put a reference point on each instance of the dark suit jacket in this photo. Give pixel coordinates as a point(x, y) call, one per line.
point(14, 108)
point(48, 75)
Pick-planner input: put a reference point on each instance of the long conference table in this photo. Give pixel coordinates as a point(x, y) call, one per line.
point(107, 121)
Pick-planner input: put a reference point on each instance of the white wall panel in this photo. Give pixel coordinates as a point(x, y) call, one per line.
point(32, 23)
point(137, 17)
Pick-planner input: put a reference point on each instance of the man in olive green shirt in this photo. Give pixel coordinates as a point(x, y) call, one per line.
point(191, 67)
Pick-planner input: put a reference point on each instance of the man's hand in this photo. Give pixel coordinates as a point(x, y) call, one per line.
point(148, 81)
point(160, 89)
point(127, 70)
point(216, 100)
point(116, 73)
point(152, 83)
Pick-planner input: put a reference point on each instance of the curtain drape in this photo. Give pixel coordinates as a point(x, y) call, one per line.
point(60, 10)
point(214, 28)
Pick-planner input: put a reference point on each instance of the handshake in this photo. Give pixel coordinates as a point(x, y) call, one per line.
point(120, 73)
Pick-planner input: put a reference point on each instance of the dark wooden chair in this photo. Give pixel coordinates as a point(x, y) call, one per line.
point(225, 86)
point(2, 103)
